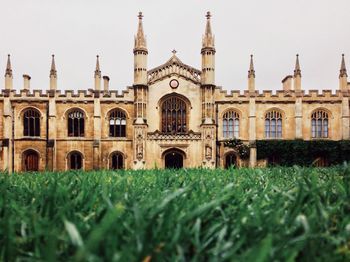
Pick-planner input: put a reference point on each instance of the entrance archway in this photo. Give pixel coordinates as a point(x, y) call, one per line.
point(30, 161)
point(174, 159)
point(230, 160)
point(116, 161)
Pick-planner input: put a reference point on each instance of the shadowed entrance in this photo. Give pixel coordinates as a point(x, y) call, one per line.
point(230, 160)
point(31, 161)
point(174, 159)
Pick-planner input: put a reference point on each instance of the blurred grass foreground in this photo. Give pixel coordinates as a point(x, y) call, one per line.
point(272, 214)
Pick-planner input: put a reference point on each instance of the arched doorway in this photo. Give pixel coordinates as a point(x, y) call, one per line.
point(174, 159)
point(30, 161)
point(230, 160)
point(75, 160)
point(116, 161)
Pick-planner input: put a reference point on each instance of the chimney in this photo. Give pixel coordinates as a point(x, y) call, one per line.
point(26, 79)
point(106, 83)
point(287, 83)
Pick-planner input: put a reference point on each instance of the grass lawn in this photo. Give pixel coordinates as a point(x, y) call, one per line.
point(276, 214)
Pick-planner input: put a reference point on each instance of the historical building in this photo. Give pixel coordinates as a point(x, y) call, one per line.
point(173, 115)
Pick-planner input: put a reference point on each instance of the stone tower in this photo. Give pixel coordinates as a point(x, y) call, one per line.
point(207, 94)
point(140, 95)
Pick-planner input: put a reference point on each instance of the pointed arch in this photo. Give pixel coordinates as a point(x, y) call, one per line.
point(117, 120)
point(75, 160)
point(231, 123)
point(31, 122)
point(30, 160)
point(174, 110)
point(320, 123)
point(273, 123)
point(76, 122)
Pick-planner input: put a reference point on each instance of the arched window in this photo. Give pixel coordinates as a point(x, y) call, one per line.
point(75, 161)
point(31, 123)
point(76, 123)
point(231, 124)
point(273, 124)
point(117, 123)
point(319, 124)
point(174, 115)
point(117, 161)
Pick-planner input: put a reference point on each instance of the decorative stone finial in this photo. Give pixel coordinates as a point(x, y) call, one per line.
point(208, 38)
point(140, 40)
point(251, 72)
point(208, 15)
point(53, 71)
point(343, 71)
point(297, 71)
point(97, 70)
point(8, 71)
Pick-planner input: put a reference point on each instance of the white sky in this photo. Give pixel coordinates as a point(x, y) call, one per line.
point(273, 30)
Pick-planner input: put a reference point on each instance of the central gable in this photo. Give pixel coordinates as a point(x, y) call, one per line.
point(174, 66)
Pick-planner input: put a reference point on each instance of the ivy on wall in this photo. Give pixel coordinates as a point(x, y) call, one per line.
point(301, 152)
point(237, 144)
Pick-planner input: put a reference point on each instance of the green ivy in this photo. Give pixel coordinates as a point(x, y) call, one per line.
point(237, 144)
point(303, 153)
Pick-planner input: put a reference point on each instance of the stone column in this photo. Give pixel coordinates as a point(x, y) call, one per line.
point(252, 131)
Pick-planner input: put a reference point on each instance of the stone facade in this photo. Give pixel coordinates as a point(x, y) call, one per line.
point(205, 117)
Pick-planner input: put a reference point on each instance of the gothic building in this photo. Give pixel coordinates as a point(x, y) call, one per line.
point(173, 115)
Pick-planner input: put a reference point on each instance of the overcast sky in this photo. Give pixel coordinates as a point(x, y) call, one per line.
point(273, 30)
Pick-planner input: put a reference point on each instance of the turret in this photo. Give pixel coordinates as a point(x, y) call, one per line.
point(251, 76)
point(8, 75)
point(208, 55)
point(343, 76)
point(297, 75)
point(140, 55)
point(53, 74)
point(97, 75)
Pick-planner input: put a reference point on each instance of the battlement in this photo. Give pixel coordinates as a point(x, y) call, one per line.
point(67, 94)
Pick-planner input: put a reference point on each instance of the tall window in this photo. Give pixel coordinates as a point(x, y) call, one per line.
point(75, 161)
point(117, 161)
point(273, 124)
point(319, 124)
point(76, 123)
point(231, 124)
point(174, 115)
point(117, 124)
point(31, 123)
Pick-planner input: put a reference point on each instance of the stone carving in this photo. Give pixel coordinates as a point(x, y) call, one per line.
point(157, 135)
point(208, 152)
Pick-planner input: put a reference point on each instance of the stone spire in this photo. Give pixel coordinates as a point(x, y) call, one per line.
point(251, 76)
point(53, 71)
point(8, 72)
point(251, 72)
point(297, 76)
point(343, 72)
point(297, 71)
point(97, 70)
point(53, 74)
point(140, 40)
point(97, 74)
point(140, 55)
point(208, 38)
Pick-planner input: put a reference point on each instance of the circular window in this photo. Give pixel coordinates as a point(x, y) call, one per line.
point(174, 83)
